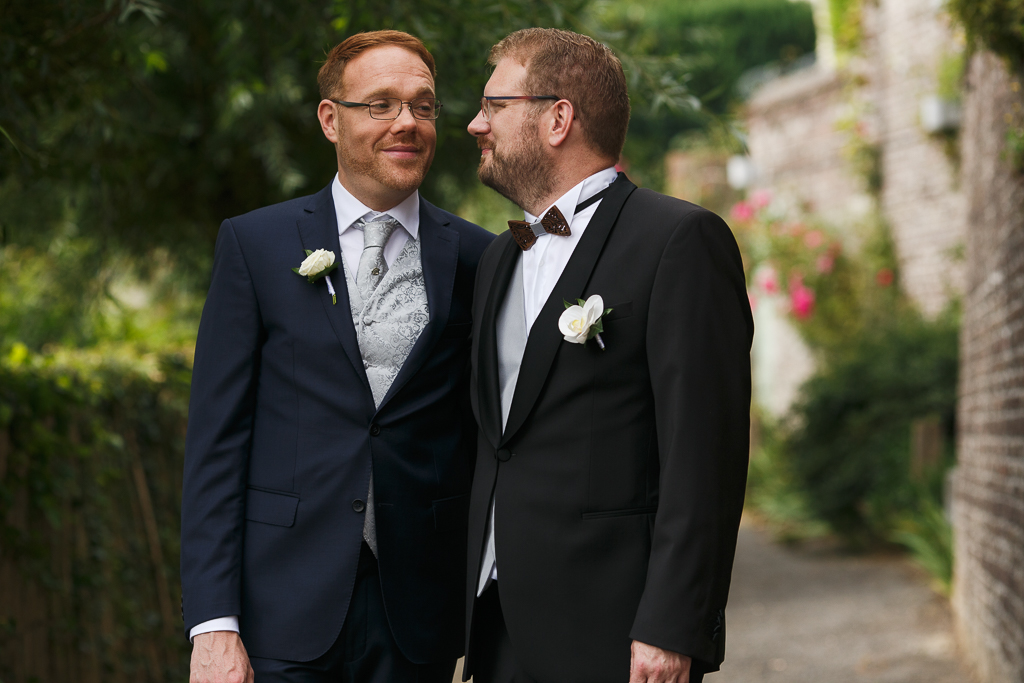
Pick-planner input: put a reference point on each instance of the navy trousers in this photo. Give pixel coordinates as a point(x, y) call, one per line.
point(365, 651)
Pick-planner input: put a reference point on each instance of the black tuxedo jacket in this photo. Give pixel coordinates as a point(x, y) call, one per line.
point(619, 478)
point(283, 430)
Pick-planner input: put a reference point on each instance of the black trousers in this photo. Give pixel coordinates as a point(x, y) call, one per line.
point(365, 651)
point(494, 659)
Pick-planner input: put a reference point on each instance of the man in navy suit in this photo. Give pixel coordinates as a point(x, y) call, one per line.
point(328, 458)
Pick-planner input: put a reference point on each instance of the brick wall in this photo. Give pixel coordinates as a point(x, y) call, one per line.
point(988, 485)
point(796, 145)
point(905, 43)
point(798, 149)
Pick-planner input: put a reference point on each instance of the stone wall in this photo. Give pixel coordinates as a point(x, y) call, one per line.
point(988, 485)
point(797, 147)
point(905, 44)
point(803, 127)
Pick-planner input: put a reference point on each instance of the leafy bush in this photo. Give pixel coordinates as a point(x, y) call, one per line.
point(996, 24)
point(716, 41)
point(91, 446)
point(76, 294)
point(842, 457)
point(850, 448)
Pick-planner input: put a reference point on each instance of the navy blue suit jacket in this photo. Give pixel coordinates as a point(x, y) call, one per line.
point(283, 430)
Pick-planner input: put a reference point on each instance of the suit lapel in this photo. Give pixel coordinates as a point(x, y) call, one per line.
point(486, 351)
point(545, 339)
point(318, 229)
point(439, 252)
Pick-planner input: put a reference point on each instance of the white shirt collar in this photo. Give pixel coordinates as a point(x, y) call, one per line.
point(582, 191)
point(349, 209)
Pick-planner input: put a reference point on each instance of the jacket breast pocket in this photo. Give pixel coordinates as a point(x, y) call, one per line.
point(271, 507)
point(623, 310)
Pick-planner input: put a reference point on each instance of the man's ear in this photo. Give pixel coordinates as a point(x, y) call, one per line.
point(562, 121)
point(328, 120)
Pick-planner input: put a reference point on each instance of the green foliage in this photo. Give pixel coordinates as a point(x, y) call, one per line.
point(951, 71)
point(995, 24)
point(835, 292)
point(924, 530)
point(72, 293)
point(845, 16)
point(716, 42)
point(158, 120)
point(91, 450)
point(773, 492)
point(850, 448)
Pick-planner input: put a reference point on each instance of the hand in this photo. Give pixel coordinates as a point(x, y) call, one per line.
point(220, 657)
point(649, 664)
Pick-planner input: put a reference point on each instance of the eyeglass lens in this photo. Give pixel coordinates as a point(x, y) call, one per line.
point(426, 108)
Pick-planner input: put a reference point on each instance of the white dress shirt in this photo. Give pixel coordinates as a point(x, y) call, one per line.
point(542, 266)
point(348, 210)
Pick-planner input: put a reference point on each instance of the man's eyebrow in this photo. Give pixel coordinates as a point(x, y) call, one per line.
point(388, 92)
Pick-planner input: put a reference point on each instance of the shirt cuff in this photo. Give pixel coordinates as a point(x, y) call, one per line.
point(218, 624)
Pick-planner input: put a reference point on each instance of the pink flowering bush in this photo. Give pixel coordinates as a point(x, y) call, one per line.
point(827, 289)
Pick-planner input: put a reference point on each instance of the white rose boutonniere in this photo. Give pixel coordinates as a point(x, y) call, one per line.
point(584, 320)
point(316, 266)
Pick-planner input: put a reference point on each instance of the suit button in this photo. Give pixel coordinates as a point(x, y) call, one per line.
point(503, 454)
point(374, 429)
point(358, 505)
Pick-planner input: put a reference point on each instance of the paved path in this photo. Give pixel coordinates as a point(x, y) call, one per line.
point(798, 616)
point(805, 616)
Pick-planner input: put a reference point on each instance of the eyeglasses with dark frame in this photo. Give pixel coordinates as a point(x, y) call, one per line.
point(485, 101)
point(390, 108)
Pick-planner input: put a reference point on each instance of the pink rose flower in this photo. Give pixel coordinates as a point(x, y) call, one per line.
point(814, 239)
point(767, 279)
point(825, 263)
point(801, 300)
point(742, 211)
point(884, 277)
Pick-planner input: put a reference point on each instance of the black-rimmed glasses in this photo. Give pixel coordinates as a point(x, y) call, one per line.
point(390, 108)
point(485, 101)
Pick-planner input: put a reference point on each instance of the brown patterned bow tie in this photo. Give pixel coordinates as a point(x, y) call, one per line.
point(526, 234)
point(554, 223)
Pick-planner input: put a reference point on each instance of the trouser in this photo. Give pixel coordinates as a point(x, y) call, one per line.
point(494, 659)
point(365, 651)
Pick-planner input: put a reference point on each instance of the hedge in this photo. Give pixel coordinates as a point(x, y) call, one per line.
point(91, 446)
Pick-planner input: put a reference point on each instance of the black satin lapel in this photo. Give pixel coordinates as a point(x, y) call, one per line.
point(318, 229)
point(545, 339)
point(489, 393)
point(439, 253)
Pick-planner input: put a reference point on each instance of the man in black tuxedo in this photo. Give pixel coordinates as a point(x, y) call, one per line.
point(328, 458)
point(610, 467)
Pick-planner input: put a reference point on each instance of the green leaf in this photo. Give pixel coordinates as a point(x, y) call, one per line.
point(581, 302)
point(606, 312)
point(296, 271)
point(324, 273)
point(308, 252)
point(567, 304)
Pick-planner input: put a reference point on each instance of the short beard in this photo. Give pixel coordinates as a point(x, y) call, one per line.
point(371, 168)
point(523, 174)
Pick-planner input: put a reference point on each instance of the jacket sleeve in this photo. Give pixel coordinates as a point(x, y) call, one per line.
point(221, 407)
point(698, 344)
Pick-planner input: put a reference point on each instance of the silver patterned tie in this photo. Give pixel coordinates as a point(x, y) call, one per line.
point(372, 269)
point(372, 266)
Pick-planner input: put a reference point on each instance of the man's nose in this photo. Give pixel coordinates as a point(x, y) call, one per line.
point(405, 121)
point(479, 126)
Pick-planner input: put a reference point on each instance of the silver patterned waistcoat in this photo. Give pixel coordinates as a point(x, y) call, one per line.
point(387, 326)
